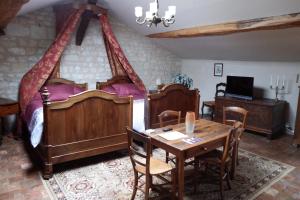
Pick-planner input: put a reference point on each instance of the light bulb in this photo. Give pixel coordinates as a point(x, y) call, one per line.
point(167, 14)
point(172, 10)
point(148, 15)
point(153, 7)
point(138, 11)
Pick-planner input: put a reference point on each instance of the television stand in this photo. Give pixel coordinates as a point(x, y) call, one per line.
point(265, 116)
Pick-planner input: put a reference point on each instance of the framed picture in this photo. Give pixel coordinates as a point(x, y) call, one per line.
point(218, 69)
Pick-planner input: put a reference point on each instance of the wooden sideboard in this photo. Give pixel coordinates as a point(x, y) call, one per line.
point(297, 127)
point(265, 116)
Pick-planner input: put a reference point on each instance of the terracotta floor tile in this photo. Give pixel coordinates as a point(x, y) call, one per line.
point(19, 178)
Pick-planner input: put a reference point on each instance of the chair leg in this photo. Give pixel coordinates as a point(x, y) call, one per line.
point(135, 185)
point(234, 162)
point(227, 178)
point(221, 183)
point(147, 187)
point(167, 157)
point(237, 154)
point(202, 110)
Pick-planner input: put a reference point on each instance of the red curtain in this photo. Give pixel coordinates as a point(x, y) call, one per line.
point(117, 59)
point(34, 79)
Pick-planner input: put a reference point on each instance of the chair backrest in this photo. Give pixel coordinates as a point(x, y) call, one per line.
point(220, 89)
point(138, 155)
point(169, 114)
point(235, 116)
point(229, 145)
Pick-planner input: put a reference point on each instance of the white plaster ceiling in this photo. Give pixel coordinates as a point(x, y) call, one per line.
point(278, 45)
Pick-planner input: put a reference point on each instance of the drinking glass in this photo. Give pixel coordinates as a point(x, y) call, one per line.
point(189, 123)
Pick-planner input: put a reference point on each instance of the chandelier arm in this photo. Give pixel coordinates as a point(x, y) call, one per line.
point(150, 23)
point(171, 21)
point(165, 23)
point(141, 21)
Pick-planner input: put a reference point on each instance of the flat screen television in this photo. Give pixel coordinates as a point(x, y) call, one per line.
point(240, 87)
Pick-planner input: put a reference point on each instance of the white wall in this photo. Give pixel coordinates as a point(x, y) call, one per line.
point(201, 71)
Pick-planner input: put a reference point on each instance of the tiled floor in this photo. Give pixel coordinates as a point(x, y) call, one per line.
point(20, 180)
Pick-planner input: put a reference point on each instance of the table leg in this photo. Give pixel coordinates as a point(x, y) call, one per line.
point(180, 174)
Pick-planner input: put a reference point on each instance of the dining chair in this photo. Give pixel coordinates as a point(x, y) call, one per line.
point(236, 116)
point(220, 91)
point(220, 159)
point(169, 114)
point(145, 165)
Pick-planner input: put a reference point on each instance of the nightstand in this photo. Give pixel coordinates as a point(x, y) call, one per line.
point(7, 107)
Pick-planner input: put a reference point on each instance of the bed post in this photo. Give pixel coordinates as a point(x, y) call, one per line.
point(46, 147)
point(147, 112)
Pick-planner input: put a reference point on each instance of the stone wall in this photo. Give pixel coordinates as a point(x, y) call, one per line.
point(27, 38)
point(89, 62)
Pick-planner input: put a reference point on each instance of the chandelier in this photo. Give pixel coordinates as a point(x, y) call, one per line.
point(152, 16)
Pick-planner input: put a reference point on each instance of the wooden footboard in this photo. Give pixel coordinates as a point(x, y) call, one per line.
point(170, 97)
point(87, 124)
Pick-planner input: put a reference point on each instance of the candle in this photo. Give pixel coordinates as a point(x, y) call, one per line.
point(277, 82)
point(271, 81)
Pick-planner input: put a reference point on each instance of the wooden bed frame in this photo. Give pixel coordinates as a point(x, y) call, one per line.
point(86, 124)
point(170, 97)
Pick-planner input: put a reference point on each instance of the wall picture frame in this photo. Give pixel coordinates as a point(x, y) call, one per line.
point(218, 69)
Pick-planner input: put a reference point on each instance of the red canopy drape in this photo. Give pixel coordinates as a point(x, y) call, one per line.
point(34, 79)
point(118, 62)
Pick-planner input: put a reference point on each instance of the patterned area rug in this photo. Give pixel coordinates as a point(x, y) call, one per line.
point(110, 177)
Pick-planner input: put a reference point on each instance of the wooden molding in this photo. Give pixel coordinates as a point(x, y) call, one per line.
point(266, 23)
point(9, 10)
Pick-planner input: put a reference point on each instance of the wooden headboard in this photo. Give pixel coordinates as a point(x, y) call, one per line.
point(113, 80)
point(170, 97)
point(65, 81)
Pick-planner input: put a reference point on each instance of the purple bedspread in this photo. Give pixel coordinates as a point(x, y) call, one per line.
point(57, 92)
point(125, 89)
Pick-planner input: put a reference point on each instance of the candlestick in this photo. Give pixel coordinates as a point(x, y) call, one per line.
point(277, 89)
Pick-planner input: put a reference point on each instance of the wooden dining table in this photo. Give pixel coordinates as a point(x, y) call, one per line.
point(212, 136)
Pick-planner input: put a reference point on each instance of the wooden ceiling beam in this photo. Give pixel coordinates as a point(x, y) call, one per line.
point(266, 23)
point(85, 20)
point(9, 10)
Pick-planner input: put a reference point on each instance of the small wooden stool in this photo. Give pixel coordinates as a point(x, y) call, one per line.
point(7, 107)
